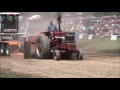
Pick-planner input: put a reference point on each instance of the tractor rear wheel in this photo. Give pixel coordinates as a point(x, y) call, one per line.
point(57, 55)
point(42, 47)
point(79, 55)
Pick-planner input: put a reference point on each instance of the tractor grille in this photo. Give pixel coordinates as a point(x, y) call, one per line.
point(70, 38)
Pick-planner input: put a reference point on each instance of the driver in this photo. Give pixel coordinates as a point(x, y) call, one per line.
point(51, 28)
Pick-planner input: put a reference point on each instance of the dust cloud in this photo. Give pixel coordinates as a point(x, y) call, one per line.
point(38, 25)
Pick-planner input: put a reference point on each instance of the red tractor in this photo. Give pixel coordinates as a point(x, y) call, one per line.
point(62, 46)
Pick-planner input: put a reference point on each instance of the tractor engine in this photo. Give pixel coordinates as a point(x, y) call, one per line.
point(64, 41)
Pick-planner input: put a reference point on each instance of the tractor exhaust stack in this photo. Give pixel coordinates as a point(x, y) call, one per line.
point(59, 20)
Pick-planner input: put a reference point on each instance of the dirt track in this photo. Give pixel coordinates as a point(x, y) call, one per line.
point(90, 67)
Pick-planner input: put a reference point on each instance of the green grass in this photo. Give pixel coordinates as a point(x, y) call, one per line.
point(6, 74)
point(99, 45)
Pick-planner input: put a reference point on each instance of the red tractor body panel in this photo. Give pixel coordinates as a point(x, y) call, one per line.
point(63, 41)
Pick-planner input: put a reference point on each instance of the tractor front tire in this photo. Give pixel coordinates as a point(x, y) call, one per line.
point(79, 55)
point(57, 55)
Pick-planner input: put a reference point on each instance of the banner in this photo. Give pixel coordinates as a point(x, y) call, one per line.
point(113, 37)
point(80, 36)
point(90, 37)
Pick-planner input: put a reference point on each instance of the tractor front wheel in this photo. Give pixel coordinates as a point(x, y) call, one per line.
point(57, 55)
point(79, 55)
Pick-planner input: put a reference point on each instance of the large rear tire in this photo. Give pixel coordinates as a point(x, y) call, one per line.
point(42, 47)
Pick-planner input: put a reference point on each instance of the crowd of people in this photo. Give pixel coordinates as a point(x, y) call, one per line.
point(102, 26)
